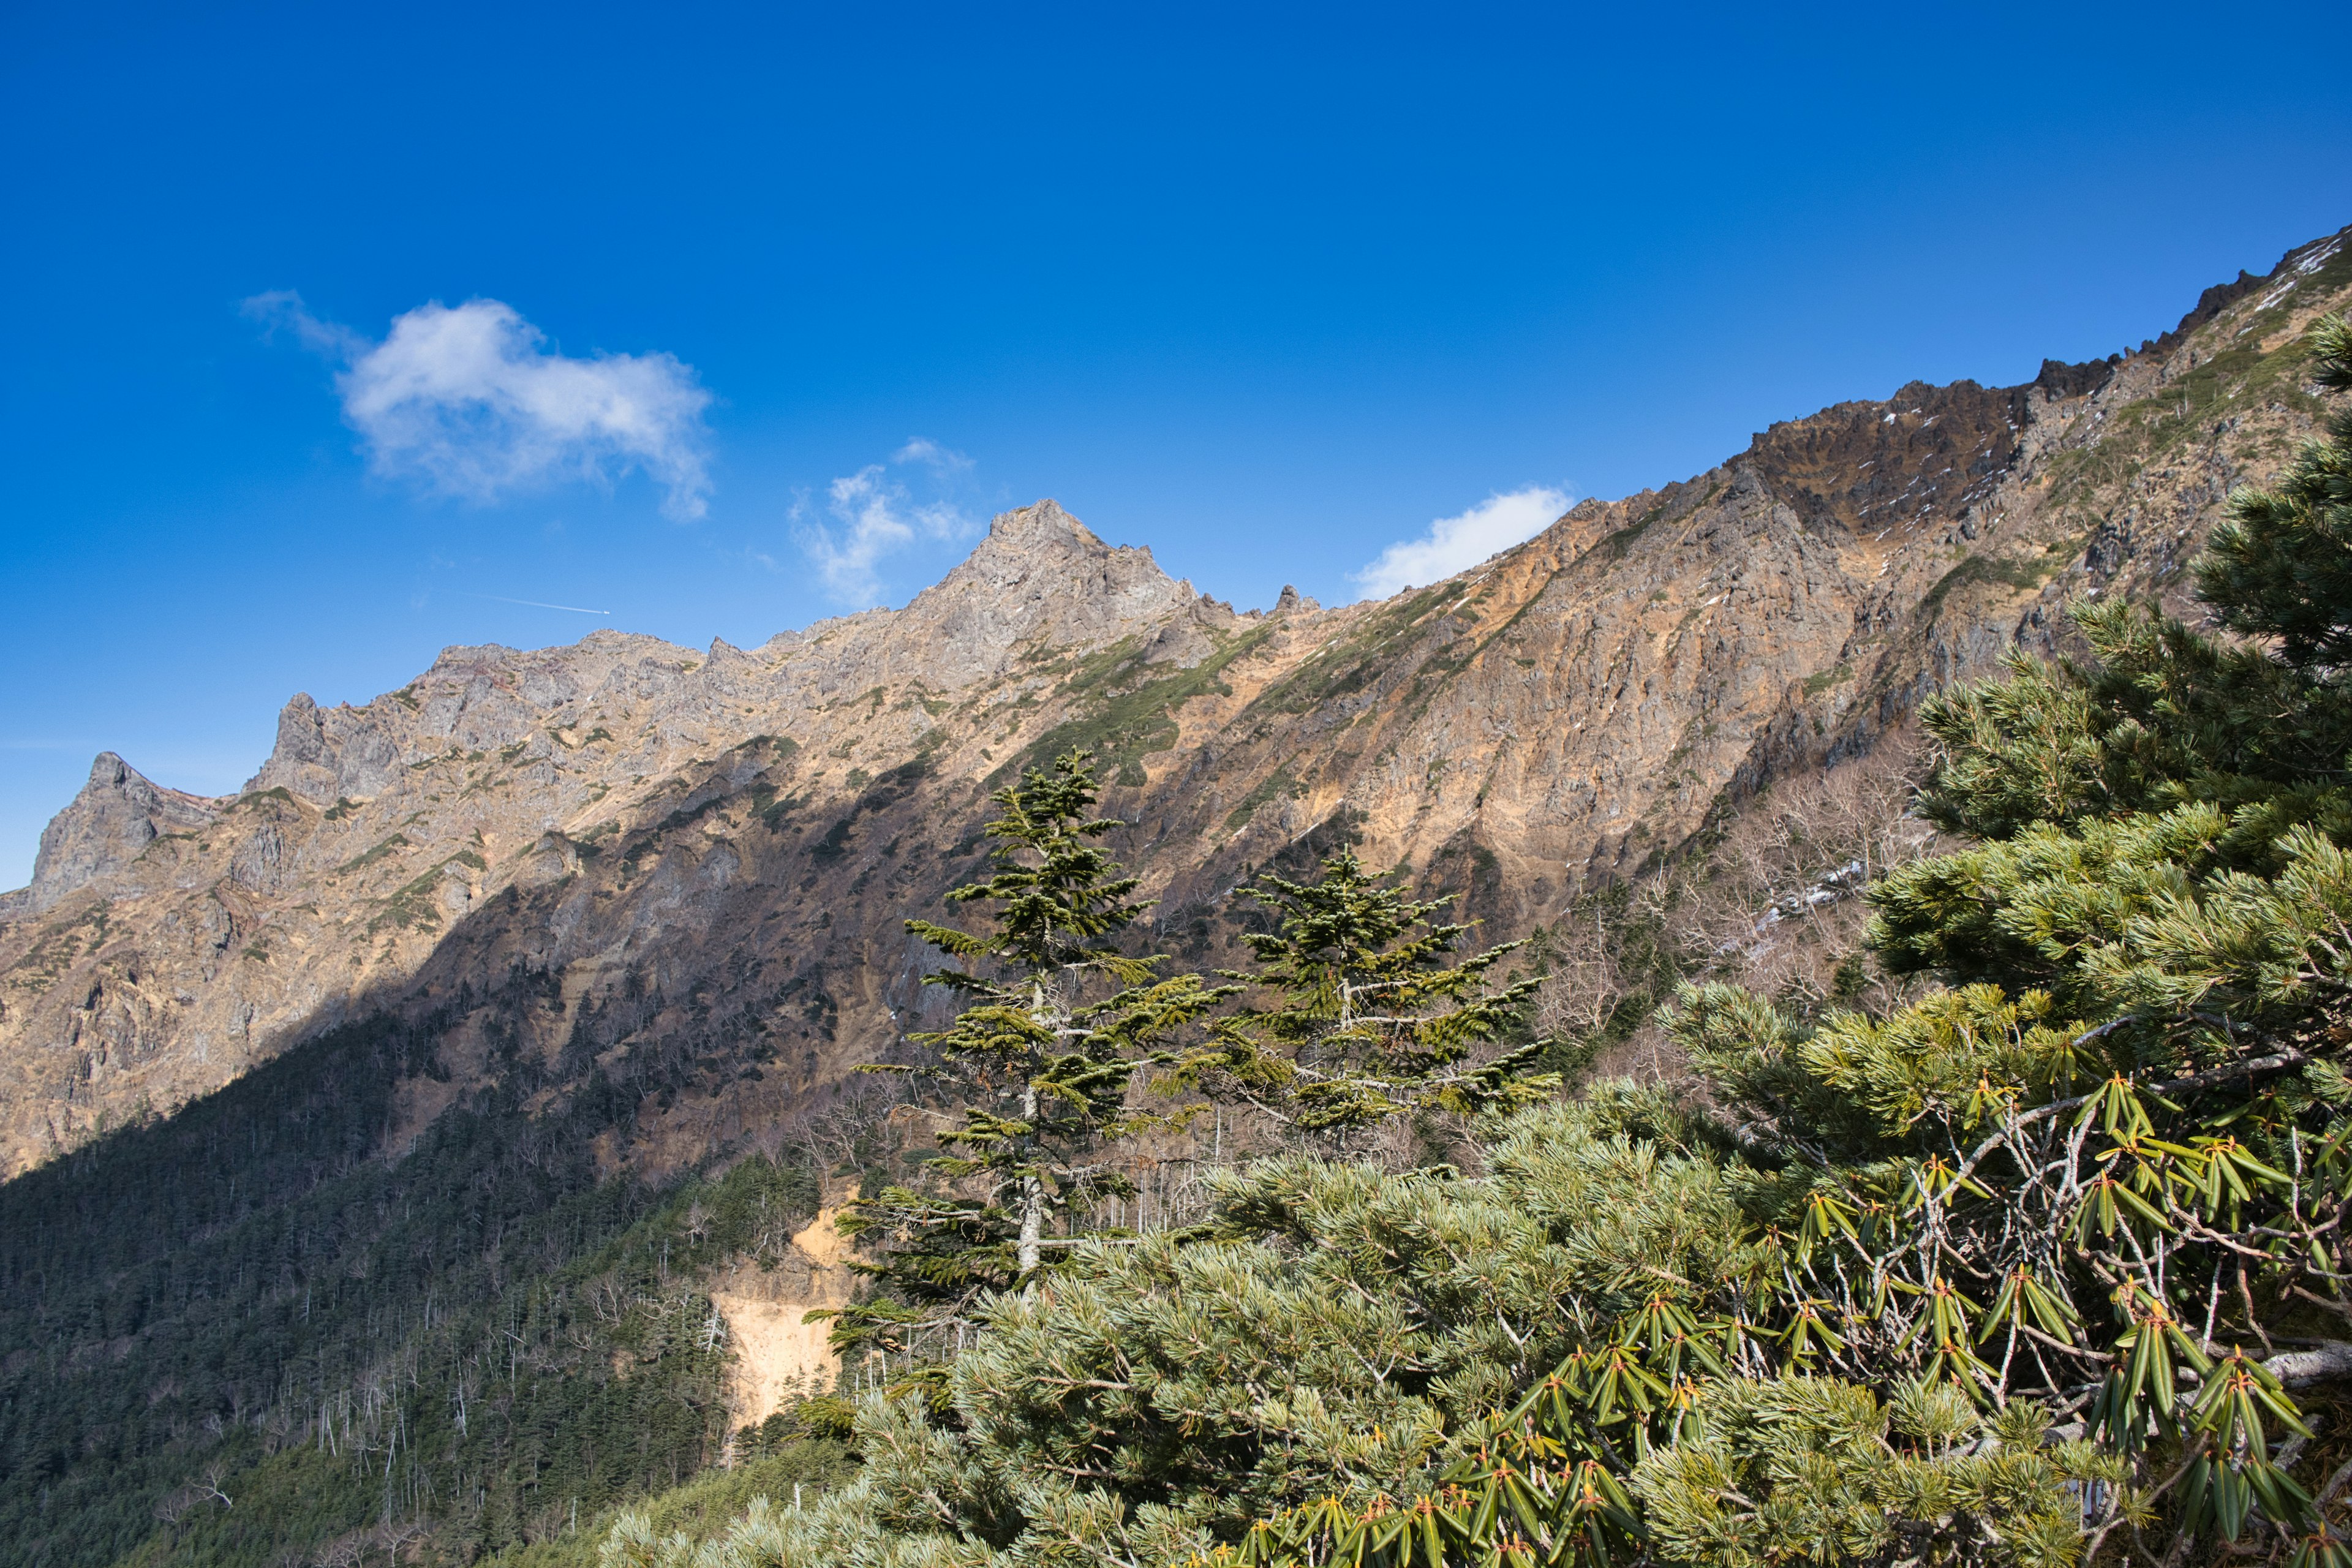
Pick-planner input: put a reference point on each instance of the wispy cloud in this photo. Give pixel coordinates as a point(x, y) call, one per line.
point(468, 400)
point(875, 513)
point(1453, 543)
point(939, 459)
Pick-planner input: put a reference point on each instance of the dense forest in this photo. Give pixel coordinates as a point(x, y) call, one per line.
point(253, 1328)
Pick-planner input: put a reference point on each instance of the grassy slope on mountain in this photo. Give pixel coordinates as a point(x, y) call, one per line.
point(803, 1470)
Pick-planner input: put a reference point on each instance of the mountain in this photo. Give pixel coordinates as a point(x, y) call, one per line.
point(426, 1144)
point(688, 868)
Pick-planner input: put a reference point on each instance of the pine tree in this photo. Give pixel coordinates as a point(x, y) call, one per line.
point(2281, 567)
point(1058, 1023)
point(2110, 1165)
point(1372, 1016)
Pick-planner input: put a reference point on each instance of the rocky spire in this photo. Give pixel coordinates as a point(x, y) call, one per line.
point(1040, 576)
point(118, 814)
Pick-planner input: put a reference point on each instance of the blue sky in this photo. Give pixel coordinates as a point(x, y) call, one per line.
point(752, 314)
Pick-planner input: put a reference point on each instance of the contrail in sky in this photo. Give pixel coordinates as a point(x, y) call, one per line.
point(535, 603)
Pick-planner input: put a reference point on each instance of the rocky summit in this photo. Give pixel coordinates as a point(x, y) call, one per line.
point(686, 869)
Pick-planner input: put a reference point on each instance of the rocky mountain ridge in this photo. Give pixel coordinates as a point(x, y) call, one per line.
point(686, 870)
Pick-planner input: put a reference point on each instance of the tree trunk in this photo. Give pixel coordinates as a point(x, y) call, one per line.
point(1032, 1199)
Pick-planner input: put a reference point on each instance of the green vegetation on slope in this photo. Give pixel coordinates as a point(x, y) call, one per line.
point(253, 1329)
point(801, 1470)
point(1126, 709)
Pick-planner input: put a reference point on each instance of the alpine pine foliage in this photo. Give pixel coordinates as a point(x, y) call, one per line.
point(2104, 1175)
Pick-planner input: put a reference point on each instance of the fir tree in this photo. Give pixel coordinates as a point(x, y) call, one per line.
point(2281, 567)
point(1058, 1023)
point(1373, 1014)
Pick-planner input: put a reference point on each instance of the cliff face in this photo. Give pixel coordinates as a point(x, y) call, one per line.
point(109, 825)
point(688, 868)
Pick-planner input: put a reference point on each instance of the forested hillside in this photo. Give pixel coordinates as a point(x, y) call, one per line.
point(253, 1326)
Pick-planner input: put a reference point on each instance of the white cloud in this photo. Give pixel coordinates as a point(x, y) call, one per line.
point(1451, 543)
point(931, 455)
point(466, 400)
point(875, 514)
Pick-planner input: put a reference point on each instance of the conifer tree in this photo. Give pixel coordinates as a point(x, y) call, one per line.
point(1371, 1016)
point(2282, 567)
point(1057, 1023)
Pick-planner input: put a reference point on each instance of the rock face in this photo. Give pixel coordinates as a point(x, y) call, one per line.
point(109, 825)
point(685, 870)
point(1039, 577)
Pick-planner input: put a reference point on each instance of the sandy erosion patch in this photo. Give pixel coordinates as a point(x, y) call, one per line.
point(778, 1356)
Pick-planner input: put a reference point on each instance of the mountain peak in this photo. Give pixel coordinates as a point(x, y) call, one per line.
point(1043, 576)
point(117, 815)
point(1041, 522)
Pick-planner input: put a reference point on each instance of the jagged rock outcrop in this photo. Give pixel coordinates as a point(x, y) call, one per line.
point(109, 823)
point(1040, 575)
point(685, 870)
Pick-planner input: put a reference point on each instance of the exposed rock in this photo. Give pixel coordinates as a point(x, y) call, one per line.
point(779, 1354)
point(686, 870)
point(1039, 574)
point(109, 825)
